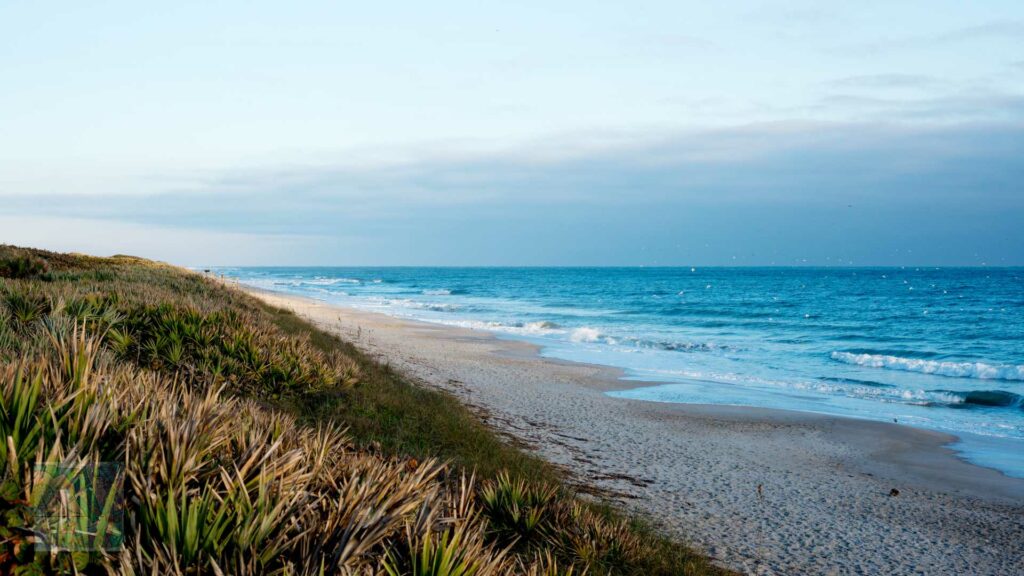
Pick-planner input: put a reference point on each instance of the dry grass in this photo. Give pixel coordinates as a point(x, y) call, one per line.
point(243, 441)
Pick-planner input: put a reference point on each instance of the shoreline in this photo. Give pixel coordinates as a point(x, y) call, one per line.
point(760, 490)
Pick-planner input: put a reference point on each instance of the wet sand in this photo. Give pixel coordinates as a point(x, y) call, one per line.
point(762, 491)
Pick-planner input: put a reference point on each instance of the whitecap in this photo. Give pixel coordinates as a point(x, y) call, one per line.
point(585, 335)
point(979, 370)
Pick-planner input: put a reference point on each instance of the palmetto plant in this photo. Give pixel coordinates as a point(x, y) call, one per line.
point(81, 309)
point(7, 337)
point(186, 529)
point(81, 512)
point(546, 564)
point(21, 423)
point(584, 537)
point(455, 551)
point(516, 510)
point(25, 305)
point(53, 426)
point(174, 350)
point(120, 341)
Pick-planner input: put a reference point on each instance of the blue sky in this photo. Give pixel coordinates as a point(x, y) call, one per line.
point(636, 133)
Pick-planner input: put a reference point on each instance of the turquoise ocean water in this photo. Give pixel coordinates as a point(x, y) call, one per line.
point(934, 348)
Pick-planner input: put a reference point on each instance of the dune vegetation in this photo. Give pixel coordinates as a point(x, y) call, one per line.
point(155, 421)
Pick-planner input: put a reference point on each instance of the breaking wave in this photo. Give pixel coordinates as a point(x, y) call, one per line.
point(987, 398)
point(416, 304)
point(442, 292)
point(978, 370)
point(321, 281)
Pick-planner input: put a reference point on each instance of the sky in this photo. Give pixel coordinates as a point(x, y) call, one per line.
point(526, 133)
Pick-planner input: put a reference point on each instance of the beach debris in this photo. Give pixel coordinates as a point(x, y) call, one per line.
point(894, 492)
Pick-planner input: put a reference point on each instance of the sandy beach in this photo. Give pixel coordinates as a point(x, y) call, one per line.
point(761, 491)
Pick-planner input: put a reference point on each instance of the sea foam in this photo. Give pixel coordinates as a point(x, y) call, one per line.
point(585, 335)
point(979, 370)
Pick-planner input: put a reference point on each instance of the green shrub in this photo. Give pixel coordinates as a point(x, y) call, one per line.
point(582, 536)
point(224, 346)
point(516, 510)
point(547, 565)
point(17, 267)
point(456, 551)
point(7, 338)
point(26, 306)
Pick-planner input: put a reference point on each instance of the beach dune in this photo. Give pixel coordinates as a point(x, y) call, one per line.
point(761, 491)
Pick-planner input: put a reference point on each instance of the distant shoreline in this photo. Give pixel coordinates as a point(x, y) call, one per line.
point(825, 481)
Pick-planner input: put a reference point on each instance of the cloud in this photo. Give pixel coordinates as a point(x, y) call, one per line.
point(1012, 30)
point(919, 98)
point(766, 193)
point(740, 163)
point(976, 104)
point(919, 81)
point(682, 41)
point(796, 16)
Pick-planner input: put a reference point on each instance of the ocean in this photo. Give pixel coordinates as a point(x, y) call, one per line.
point(935, 348)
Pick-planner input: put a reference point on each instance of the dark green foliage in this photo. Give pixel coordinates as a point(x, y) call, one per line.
point(517, 511)
point(225, 346)
point(22, 266)
point(164, 319)
point(25, 305)
point(7, 336)
point(457, 551)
